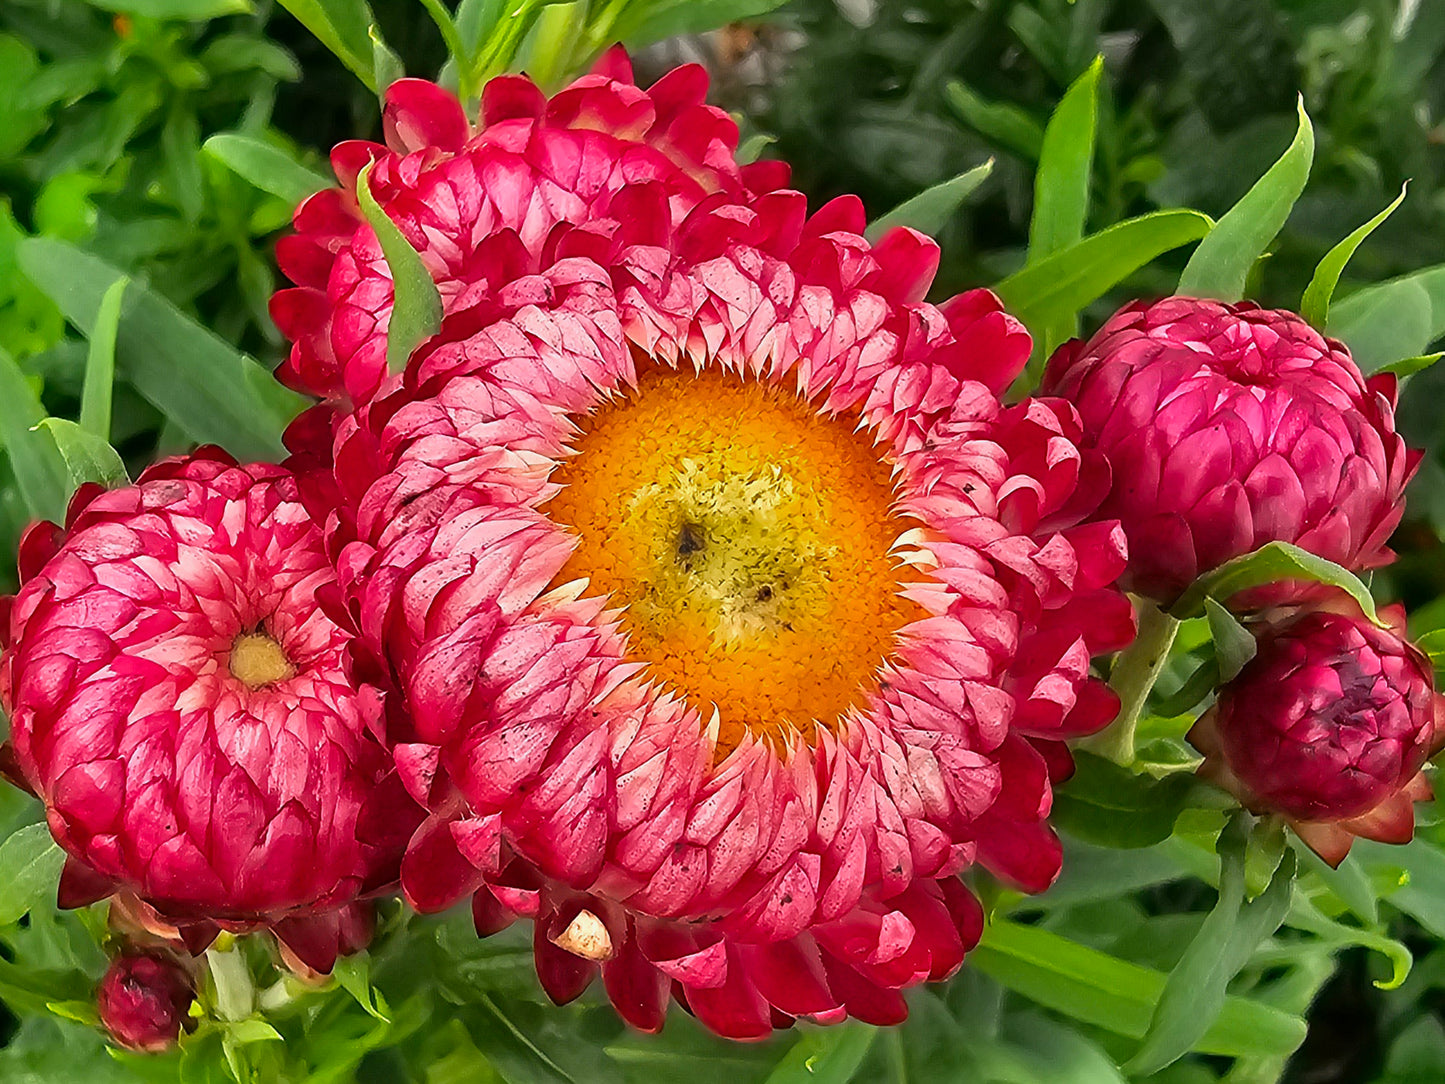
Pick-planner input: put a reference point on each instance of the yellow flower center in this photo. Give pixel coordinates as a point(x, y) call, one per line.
point(748, 537)
point(258, 660)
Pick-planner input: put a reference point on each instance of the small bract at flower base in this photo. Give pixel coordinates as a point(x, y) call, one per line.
point(1328, 726)
point(734, 614)
point(184, 709)
point(1231, 426)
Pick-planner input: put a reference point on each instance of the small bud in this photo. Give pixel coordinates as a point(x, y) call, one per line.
point(143, 1000)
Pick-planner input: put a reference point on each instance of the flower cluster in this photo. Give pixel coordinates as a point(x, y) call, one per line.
point(691, 592)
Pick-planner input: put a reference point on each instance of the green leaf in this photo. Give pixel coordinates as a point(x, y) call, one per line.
point(95, 394)
point(643, 24)
point(1392, 320)
point(1194, 995)
point(1119, 996)
point(1271, 563)
point(386, 65)
point(191, 375)
point(195, 10)
point(341, 26)
point(1223, 260)
point(1315, 304)
point(526, 1042)
point(39, 470)
point(832, 1055)
point(1196, 687)
point(931, 209)
point(1348, 882)
point(82, 1012)
point(1263, 854)
point(1064, 283)
point(30, 864)
point(87, 457)
point(1233, 644)
point(354, 974)
point(1410, 366)
point(416, 313)
point(266, 166)
point(1006, 125)
point(1304, 915)
point(1107, 804)
point(1061, 185)
point(252, 1030)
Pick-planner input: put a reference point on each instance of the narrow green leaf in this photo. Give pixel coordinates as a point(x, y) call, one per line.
point(1271, 563)
point(266, 166)
point(1304, 915)
point(95, 394)
point(929, 211)
point(386, 66)
point(1061, 185)
point(1410, 366)
point(1194, 994)
point(832, 1055)
point(197, 380)
point(39, 470)
point(1117, 995)
point(1233, 644)
point(1067, 281)
point(416, 313)
point(1222, 261)
point(30, 864)
point(87, 457)
point(1007, 125)
point(1315, 304)
point(341, 26)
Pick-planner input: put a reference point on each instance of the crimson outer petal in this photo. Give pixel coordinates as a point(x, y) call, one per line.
point(161, 773)
point(1231, 426)
point(562, 786)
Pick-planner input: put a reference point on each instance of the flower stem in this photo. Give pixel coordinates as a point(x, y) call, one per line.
point(1135, 671)
point(235, 993)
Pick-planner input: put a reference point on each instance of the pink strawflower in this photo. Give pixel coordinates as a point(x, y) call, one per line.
point(143, 1000)
point(1328, 725)
point(481, 202)
point(184, 708)
point(1230, 426)
point(734, 614)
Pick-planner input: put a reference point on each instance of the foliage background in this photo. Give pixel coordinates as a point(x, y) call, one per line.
point(108, 107)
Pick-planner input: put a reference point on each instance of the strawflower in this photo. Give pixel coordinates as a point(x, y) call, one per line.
point(734, 615)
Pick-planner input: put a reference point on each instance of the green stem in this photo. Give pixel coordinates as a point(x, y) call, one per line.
point(1135, 671)
point(235, 992)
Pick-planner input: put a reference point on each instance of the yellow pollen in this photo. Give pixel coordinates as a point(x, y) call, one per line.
point(258, 660)
point(748, 537)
